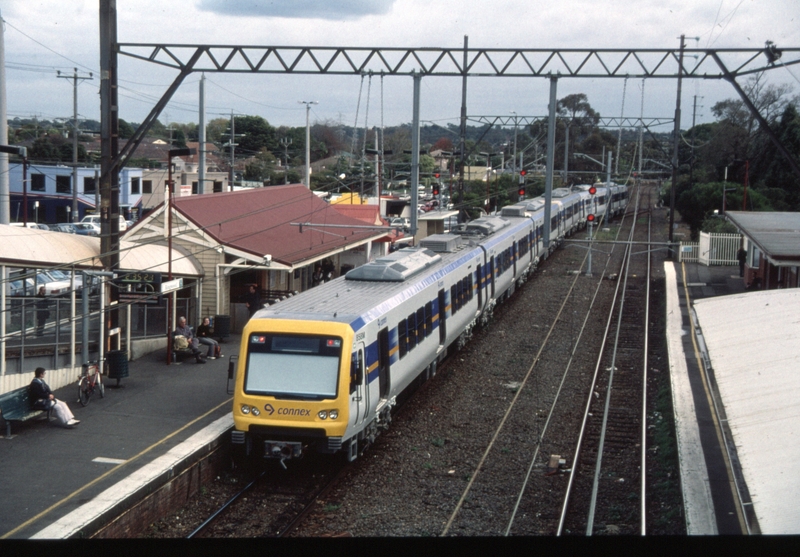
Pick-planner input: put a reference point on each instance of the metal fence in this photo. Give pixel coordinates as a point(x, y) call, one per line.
point(44, 327)
point(712, 249)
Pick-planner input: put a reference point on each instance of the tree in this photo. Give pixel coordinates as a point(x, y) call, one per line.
point(779, 174)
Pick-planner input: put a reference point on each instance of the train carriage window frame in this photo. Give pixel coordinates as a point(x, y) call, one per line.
point(411, 331)
point(428, 319)
point(402, 338)
point(421, 325)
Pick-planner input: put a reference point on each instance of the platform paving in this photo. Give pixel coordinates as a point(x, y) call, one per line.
point(47, 472)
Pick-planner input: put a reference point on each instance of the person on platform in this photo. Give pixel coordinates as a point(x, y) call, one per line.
point(741, 255)
point(43, 399)
point(184, 330)
point(42, 311)
point(252, 300)
point(204, 333)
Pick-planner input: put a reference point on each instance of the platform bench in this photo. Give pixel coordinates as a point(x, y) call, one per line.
point(17, 406)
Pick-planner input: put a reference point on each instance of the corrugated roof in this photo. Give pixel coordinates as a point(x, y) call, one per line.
point(777, 234)
point(258, 221)
point(753, 341)
point(20, 246)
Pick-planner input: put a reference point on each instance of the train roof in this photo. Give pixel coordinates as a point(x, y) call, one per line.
point(369, 291)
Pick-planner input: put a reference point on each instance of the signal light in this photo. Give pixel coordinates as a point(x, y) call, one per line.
point(436, 190)
point(590, 217)
point(592, 190)
point(523, 172)
point(436, 175)
point(522, 191)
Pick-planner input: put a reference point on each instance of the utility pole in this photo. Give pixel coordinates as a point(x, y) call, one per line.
point(286, 141)
point(676, 132)
point(232, 145)
point(75, 78)
point(5, 190)
point(308, 142)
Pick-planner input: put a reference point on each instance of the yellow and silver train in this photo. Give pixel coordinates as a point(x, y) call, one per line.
point(322, 370)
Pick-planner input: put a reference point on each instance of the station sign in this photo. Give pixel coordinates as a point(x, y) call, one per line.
point(141, 287)
point(171, 285)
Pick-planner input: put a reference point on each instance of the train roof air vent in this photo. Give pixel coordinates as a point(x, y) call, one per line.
point(395, 267)
point(442, 243)
point(486, 226)
point(513, 211)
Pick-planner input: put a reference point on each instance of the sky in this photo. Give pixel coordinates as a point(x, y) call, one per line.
point(43, 37)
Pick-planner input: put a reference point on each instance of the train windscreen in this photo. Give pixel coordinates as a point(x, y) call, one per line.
point(293, 366)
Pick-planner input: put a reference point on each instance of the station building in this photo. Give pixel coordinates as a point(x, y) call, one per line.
point(772, 241)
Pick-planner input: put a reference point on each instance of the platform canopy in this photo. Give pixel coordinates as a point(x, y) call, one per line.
point(31, 247)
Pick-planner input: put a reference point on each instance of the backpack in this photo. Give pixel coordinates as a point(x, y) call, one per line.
point(180, 342)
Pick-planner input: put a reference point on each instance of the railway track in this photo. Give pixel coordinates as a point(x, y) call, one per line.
point(606, 478)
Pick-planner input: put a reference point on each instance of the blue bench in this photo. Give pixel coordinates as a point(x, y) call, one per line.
point(17, 406)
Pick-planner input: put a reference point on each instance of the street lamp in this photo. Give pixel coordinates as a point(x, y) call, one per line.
point(22, 152)
point(172, 153)
point(308, 142)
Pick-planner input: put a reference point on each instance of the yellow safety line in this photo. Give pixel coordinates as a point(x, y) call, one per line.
point(108, 473)
point(717, 427)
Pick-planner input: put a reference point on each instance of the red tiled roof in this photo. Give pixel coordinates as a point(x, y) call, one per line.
point(370, 214)
point(258, 221)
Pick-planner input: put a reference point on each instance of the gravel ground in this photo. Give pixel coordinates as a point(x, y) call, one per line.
point(413, 479)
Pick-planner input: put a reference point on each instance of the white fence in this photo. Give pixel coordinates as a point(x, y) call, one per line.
point(712, 249)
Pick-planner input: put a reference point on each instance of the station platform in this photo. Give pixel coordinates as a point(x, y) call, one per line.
point(706, 478)
point(57, 482)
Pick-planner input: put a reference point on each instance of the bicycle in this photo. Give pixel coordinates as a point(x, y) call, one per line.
point(90, 381)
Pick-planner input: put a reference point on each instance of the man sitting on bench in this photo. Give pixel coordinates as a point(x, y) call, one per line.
point(45, 400)
point(185, 331)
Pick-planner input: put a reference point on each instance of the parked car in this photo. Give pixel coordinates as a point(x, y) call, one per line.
point(20, 287)
point(87, 229)
point(52, 285)
point(69, 228)
point(95, 219)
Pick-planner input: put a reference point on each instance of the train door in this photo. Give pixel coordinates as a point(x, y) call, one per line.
point(359, 385)
point(443, 317)
point(383, 362)
point(479, 282)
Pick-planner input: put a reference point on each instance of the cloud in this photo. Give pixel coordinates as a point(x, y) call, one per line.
point(319, 9)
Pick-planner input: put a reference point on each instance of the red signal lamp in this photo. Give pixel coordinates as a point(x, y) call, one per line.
point(592, 190)
point(590, 218)
point(523, 172)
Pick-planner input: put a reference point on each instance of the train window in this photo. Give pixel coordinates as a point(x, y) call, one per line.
point(478, 277)
point(293, 366)
point(421, 325)
point(428, 319)
point(469, 286)
point(453, 300)
point(402, 338)
point(412, 332)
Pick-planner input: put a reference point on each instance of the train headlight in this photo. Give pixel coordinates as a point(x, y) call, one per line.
point(334, 414)
point(256, 411)
point(323, 414)
point(245, 409)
